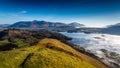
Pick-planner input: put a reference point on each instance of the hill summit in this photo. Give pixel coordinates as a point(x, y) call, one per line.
point(48, 52)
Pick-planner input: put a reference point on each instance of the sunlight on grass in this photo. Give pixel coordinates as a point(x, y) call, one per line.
point(49, 53)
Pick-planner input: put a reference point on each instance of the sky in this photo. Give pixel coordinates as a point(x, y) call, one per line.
point(92, 13)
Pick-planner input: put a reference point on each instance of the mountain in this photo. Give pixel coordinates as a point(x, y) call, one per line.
point(4, 25)
point(49, 52)
point(112, 29)
point(114, 25)
point(44, 24)
point(76, 25)
point(36, 24)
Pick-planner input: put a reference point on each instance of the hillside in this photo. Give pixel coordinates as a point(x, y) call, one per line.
point(40, 49)
point(15, 38)
point(112, 29)
point(48, 53)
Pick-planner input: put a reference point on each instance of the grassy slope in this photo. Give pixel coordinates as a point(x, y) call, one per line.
point(49, 53)
point(14, 58)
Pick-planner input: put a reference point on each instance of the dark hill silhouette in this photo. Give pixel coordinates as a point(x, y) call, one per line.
point(20, 38)
point(44, 24)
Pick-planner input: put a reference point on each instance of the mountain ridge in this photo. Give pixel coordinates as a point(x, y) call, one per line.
point(40, 24)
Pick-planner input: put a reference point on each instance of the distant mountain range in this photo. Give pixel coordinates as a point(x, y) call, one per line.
point(76, 25)
point(4, 25)
point(58, 26)
point(112, 29)
point(42, 24)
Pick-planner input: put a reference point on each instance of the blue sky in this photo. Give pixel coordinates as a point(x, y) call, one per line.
point(93, 13)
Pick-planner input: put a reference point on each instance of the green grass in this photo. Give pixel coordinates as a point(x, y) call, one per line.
point(49, 53)
point(48, 58)
point(24, 42)
point(14, 58)
point(3, 42)
point(20, 42)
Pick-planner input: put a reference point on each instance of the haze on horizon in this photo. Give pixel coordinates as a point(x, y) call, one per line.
point(92, 13)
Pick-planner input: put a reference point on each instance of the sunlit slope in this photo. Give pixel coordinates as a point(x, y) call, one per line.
point(49, 53)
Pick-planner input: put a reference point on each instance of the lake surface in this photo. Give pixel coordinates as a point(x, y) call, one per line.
point(96, 42)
